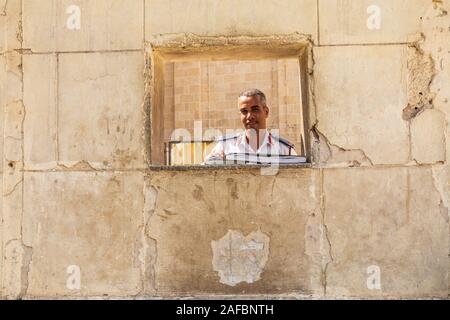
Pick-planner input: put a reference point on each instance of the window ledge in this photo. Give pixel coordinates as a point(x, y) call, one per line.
point(224, 167)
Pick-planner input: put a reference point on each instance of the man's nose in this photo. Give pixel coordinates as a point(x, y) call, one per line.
point(250, 115)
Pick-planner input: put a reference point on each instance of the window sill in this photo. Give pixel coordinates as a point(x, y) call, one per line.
point(224, 167)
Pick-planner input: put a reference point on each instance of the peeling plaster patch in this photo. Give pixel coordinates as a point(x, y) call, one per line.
point(83, 165)
point(336, 156)
point(17, 257)
point(352, 158)
point(421, 72)
point(238, 258)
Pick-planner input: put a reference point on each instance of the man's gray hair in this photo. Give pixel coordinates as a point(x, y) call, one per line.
point(253, 93)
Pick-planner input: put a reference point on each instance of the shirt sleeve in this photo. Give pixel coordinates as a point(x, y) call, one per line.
point(284, 150)
point(293, 152)
point(216, 151)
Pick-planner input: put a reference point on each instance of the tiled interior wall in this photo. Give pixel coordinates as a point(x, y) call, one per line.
point(207, 91)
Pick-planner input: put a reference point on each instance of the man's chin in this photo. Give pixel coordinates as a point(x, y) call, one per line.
point(251, 126)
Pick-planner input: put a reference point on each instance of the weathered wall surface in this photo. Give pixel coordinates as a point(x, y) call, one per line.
point(82, 215)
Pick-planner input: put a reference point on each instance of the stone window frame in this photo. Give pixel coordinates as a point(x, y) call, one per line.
point(188, 47)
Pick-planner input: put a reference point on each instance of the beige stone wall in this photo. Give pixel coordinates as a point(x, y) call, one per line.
point(77, 192)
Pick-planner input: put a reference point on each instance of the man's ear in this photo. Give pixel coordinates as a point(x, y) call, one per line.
point(266, 108)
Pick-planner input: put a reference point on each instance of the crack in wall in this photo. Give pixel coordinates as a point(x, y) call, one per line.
point(312, 104)
point(149, 249)
point(325, 269)
point(14, 138)
point(314, 248)
point(329, 153)
point(13, 189)
point(82, 165)
point(19, 33)
point(25, 269)
point(330, 258)
point(23, 51)
point(151, 255)
point(147, 105)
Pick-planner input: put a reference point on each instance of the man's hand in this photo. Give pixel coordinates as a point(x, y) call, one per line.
point(218, 154)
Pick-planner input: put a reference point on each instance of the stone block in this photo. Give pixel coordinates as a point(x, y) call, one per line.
point(40, 125)
point(236, 233)
point(388, 233)
point(428, 137)
point(53, 25)
point(86, 224)
point(10, 25)
point(368, 21)
point(360, 94)
point(100, 109)
point(230, 17)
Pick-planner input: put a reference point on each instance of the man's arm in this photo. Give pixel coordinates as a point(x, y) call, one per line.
point(217, 151)
point(293, 152)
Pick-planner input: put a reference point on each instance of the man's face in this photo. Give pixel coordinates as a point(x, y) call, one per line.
point(253, 113)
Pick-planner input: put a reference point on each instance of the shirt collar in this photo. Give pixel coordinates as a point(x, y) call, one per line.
point(267, 138)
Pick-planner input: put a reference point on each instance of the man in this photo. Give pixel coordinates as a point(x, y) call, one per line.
point(256, 138)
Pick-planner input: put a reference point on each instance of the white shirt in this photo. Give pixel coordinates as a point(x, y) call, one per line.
point(239, 144)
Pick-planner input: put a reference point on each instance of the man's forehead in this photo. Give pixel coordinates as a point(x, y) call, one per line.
point(249, 101)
